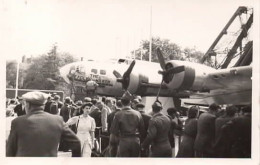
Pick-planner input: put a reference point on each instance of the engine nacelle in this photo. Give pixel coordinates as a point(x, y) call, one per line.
point(192, 78)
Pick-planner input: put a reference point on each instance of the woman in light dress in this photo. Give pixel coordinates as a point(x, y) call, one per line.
point(85, 129)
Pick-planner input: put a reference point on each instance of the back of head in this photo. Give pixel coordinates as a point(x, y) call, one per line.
point(214, 107)
point(171, 111)
point(67, 100)
point(100, 104)
point(56, 98)
point(192, 112)
point(103, 99)
point(108, 100)
point(126, 98)
point(119, 104)
point(231, 110)
point(247, 109)
point(94, 101)
point(157, 106)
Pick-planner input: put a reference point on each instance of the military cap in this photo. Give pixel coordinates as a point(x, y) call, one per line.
point(79, 102)
point(135, 101)
point(56, 97)
point(36, 97)
point(140, 105)
point(126, 96)
point(157, 105)
point(87, 99)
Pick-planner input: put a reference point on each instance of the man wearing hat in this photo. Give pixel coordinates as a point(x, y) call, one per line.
point(37, 134)
point(205, 139)
point(87, 100)
point(146, 118)
point(157, 134)
point(128, 125)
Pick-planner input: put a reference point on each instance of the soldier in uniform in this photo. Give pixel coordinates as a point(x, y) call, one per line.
point(205, 139)
point(128, 125)
point(158, 130)
point(146, 118)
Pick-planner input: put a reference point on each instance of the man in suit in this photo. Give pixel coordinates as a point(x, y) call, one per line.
point(38, 133)
point(205, 139)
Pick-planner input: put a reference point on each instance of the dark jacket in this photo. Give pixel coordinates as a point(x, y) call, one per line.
point(146, 119)
point(205, 138)
point(188, 138)
point(110, 118)
point(239, 132)
point(157, 136)
point(19, 110)
point(65, 112)
point(96, 114)
point(38, 134)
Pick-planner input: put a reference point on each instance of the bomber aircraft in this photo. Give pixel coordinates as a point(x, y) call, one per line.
point(196, 84)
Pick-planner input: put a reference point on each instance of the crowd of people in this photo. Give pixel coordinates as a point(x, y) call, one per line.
point(41, 125)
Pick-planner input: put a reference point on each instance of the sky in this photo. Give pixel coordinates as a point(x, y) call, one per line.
point(105, 29)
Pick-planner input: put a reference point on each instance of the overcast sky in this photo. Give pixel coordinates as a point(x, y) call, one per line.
point(105, 29)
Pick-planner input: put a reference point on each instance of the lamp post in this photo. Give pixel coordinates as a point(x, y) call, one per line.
point(17, 77)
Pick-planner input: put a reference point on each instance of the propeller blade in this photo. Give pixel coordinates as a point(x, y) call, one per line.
point(117, 74)
point(129, 70)
point(126, 76)
point(160, 58)
point(175, 70)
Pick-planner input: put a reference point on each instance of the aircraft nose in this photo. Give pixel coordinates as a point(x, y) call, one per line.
point(64, 72)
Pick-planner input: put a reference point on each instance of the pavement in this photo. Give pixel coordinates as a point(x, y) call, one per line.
point(64, 154)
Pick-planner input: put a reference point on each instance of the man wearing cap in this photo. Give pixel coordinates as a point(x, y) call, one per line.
point(146, 119)
point(128, 125)
point(37, 134)
point(205, 138)
point(157, 136)
point(134, 103)
point(87, 100)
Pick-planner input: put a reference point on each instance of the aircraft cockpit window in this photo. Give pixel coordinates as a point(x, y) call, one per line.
point(102, 72)
point(94, 71)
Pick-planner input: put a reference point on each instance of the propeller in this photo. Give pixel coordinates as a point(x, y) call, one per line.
point(167, 72)
point(125, 79)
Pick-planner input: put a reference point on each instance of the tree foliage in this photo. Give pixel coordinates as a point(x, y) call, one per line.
point(42, 72)
point(11, 67)
point(170, 51)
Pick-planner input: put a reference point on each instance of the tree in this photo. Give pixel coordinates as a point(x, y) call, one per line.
point(170, 51)
point(11, 67)
point(43, 73)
